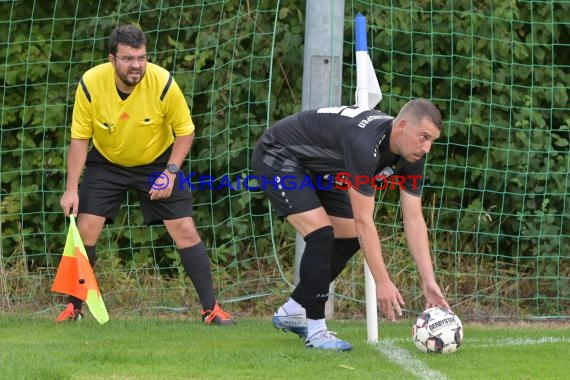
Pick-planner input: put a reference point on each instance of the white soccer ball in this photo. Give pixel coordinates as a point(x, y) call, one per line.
point(437, 330)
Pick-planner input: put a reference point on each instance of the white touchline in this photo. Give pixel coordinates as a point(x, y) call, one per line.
point(521, 341)
point(403, 358)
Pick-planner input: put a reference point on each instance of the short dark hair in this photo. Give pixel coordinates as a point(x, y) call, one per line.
point(127, 35)
point(419, 108)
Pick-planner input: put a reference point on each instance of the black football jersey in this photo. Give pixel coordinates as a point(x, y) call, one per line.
point(339, 141)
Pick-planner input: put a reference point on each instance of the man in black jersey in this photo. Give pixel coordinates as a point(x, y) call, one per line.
point(320, 169)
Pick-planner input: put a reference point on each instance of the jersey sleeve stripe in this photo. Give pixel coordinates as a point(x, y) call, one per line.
point(85, 90)
point(165, 90)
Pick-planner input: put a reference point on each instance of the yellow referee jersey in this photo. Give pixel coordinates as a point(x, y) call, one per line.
point(134, 131)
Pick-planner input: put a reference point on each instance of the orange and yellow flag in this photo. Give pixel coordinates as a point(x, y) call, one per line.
point(75, 276)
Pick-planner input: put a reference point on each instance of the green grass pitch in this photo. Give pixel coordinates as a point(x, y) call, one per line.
point(35, 347)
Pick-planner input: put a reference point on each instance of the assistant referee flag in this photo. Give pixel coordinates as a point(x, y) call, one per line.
point(75, 276)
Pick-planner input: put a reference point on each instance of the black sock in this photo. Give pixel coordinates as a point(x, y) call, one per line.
point(343, 250)
point(315, 271)
point(90, 250)
point(196, 263)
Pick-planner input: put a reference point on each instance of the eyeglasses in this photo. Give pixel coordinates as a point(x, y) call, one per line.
point(128, 59)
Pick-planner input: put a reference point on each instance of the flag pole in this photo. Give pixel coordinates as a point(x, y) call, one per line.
point(363, 66)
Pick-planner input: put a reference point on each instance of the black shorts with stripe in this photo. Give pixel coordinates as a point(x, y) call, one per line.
point(105, 184)
point(292, 192)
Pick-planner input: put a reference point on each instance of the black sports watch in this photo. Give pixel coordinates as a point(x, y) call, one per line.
point(172, 168)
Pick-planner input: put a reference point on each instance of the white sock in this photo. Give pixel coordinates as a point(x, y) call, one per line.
point(315, 325)
point(293, 307)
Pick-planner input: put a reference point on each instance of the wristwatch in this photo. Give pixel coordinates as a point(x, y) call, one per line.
point(172, 168)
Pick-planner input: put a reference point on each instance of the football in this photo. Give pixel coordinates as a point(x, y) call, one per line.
point(437, 330)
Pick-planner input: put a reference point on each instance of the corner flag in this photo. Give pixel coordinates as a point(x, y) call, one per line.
point(368, 93)
point(75, 276)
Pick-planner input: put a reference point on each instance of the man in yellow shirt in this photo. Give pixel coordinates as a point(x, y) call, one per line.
point(139, 123)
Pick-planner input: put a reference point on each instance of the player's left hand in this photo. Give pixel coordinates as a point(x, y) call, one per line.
point(434, 296)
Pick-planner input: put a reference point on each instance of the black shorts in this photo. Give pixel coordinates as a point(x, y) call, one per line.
point(104, 185)
point(298, 191)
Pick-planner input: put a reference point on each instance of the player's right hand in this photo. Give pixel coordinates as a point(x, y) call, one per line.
point(69, 202)
point(389, 300)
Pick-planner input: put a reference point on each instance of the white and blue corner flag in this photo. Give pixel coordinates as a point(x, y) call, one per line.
point(368, 93)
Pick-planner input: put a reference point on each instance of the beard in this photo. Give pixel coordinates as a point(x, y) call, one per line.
point(132, 77)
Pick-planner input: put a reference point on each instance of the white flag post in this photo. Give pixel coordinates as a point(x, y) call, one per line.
point(368, 95)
